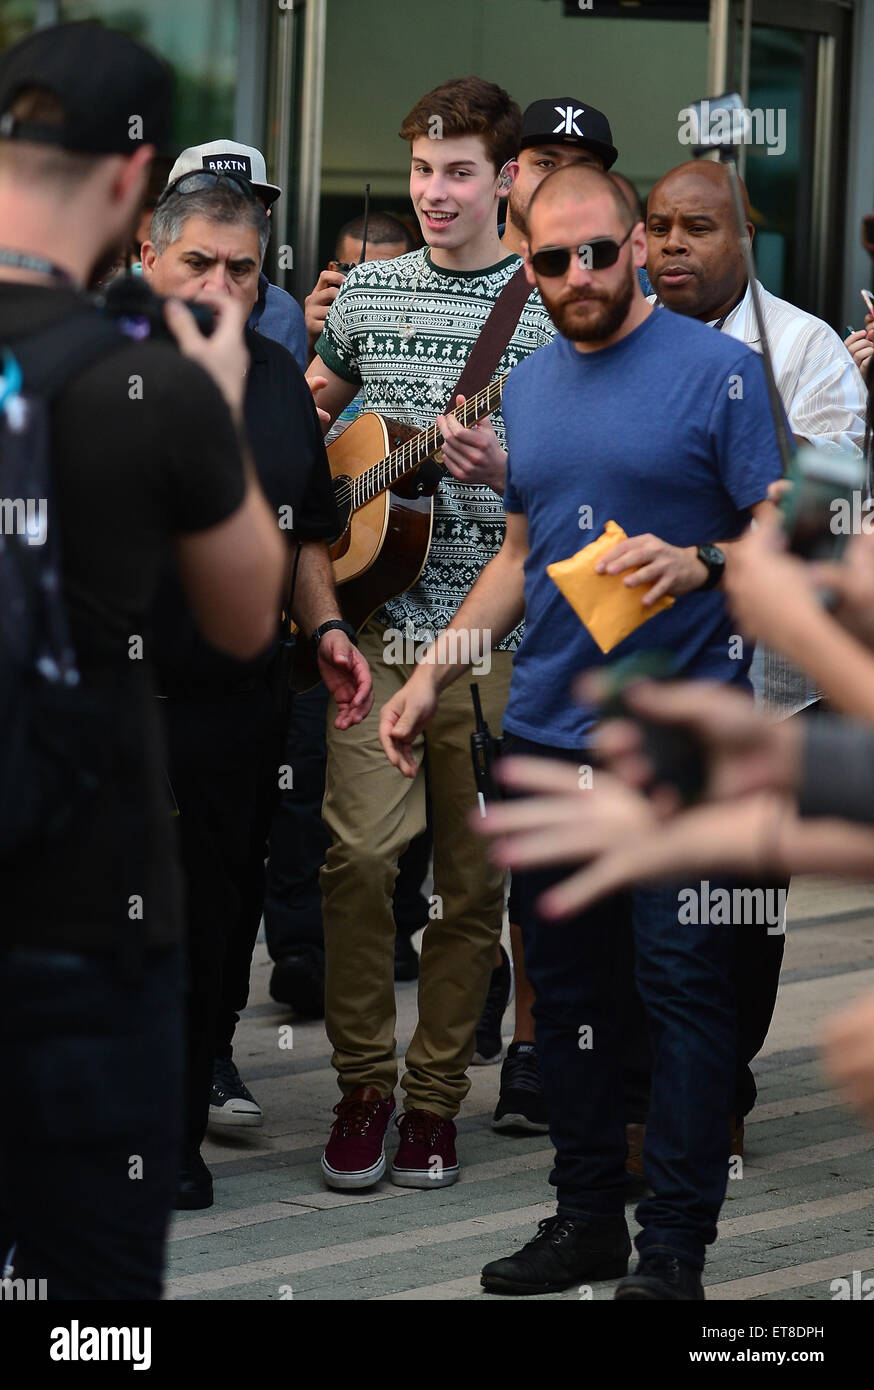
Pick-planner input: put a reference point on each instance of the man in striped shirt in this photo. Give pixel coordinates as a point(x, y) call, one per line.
point(399, 333)
point(695, 263)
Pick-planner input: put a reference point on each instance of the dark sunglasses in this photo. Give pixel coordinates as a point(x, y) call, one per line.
point(200, 179)
point(598, 254)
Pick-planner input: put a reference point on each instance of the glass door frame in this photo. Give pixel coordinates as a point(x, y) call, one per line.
point(820, 226)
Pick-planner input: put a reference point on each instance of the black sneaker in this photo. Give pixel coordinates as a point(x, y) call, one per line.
point(661, 1277)
point(231, 1102)
point(565, 1250)
point(406, 959)
point(521, 1107)
point(489, 1043)
point(298, 979)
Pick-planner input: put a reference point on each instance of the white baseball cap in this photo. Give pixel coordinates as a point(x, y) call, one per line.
point(227, 157)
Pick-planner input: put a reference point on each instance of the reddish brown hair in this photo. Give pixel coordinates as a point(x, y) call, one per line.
point(469, 106)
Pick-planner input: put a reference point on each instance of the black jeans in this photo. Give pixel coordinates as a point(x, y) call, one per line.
point(298, 837)
point(685, 975)
point(89, 1148)
point(224, 756)
point(758, 958)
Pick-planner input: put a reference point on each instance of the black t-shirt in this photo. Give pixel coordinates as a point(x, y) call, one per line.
point(288, 451)
point(133, 465)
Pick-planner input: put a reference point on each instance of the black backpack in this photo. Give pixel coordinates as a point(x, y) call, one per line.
point(51, 729)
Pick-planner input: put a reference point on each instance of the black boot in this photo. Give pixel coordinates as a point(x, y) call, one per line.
point(565, 1250)
point(195, 1185)
point(298, 979)
point(661, 1277)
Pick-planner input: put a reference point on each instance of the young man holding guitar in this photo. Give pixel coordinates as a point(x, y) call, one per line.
point(400, 332)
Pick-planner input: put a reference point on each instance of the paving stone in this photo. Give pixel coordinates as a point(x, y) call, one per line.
point(802, 1210)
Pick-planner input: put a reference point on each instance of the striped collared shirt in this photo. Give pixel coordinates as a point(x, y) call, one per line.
point(824, 397)
point(822, 390)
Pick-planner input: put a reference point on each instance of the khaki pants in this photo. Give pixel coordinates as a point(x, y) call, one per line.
point(373, 812)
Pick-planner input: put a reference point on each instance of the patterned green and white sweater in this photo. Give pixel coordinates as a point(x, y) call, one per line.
point(402, 331)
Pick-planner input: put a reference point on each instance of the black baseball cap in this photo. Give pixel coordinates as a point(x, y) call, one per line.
point(116, 94)
point(566, 121)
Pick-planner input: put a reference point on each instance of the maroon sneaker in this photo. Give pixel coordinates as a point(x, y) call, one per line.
point(426, 1157)
point(355, 1153)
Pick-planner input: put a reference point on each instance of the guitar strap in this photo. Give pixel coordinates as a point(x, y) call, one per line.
point(494, 336)
point(484, 356)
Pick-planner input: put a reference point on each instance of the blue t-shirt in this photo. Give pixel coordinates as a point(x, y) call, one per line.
point(666, 432)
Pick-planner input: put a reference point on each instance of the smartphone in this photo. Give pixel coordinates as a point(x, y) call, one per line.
point(869, 300)
point(827, 491)
point(677, 755)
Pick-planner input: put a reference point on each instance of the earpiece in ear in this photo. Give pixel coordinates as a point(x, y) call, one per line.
point(505, 179)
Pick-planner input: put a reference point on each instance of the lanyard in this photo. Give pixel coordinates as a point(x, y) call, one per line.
point(10, 381)
point(22, 260)
point(719, 322)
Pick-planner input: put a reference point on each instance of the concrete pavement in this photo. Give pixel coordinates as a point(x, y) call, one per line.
point(801, 1215)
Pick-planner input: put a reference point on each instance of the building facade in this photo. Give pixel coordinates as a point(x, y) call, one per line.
point(322, 86)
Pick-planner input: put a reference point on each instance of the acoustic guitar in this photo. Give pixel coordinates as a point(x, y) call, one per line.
point(385, 500)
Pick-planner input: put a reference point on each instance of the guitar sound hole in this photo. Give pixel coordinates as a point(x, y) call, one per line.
point(343, 499)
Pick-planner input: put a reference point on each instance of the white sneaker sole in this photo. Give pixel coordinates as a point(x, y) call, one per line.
point(351, 1182)
point(219, 1115)
point(478, 1060)
point(521, 1122)
point(414, 1177)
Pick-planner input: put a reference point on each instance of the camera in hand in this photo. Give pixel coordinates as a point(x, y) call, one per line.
point(676, 755)
point(139, 312)
point(821, 505)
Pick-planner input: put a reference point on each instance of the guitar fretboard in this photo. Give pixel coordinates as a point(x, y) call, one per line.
point(420, 447)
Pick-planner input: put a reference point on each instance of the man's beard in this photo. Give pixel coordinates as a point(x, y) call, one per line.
point(516, 214)
point(607, 320)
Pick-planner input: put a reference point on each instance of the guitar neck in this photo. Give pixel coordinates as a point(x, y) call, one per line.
point(422, 446)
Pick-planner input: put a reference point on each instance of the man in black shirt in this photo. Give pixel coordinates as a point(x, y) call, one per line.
point(146, 458)
point(226, 729)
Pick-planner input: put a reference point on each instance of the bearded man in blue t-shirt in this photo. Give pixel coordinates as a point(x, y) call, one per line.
point(648, 420)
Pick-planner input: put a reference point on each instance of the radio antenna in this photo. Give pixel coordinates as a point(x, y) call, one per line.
point(366, 216)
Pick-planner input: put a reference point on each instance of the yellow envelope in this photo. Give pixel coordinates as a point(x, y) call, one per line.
point(604, 604)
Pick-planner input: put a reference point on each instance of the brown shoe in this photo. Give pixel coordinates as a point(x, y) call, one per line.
point(636, 1134)
point(636, 1184)
point(634, 1137)
point(736, 1130)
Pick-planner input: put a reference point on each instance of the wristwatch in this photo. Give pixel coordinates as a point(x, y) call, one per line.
point(341, 625)
point(714, 559)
